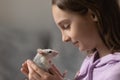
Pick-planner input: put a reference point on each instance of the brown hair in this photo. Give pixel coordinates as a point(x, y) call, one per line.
point(108, 13)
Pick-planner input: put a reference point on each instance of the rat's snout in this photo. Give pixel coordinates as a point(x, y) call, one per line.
point(55, 53)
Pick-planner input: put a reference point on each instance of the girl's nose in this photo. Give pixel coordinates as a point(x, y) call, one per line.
point(65, 38)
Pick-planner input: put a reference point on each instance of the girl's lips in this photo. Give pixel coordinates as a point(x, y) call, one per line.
point(76, 44)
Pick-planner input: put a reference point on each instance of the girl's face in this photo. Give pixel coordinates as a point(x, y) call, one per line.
point(79, 30)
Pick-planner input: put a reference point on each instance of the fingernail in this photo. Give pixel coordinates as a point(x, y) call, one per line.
point(29, 61)
point(22, 64)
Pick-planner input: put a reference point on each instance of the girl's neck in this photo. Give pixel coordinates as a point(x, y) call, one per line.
point(103, 51)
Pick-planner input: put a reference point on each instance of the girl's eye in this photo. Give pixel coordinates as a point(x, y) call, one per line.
point(66, 26)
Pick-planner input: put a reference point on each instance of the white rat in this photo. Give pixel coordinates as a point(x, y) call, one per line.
point(43, 58)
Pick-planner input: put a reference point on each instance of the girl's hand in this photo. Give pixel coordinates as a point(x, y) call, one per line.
point(33, 72)
point(24, 69)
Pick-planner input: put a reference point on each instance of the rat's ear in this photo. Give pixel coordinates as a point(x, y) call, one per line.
point(39, 51)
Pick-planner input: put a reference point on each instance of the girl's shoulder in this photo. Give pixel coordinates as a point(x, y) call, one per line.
point(113, 67)
point(114, 73)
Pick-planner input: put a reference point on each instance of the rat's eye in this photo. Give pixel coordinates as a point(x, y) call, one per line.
point(49, 51)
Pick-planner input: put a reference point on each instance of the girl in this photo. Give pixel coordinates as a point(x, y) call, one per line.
point(92, 26)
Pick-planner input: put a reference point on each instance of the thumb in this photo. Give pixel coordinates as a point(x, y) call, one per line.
point(64, 73)
point(53, 70)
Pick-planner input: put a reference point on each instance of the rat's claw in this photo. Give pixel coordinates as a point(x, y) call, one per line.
point(50, 62)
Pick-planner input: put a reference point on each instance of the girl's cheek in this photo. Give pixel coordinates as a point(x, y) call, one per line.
point(75, 35)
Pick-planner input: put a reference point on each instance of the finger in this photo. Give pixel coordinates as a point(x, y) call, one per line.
point(58, 72)
point(31, 79)
point(65, 73)
point(33, 75)
point(53, 70)
point(24, 72)
point(35, 67)
point(24, 64)
point(54, 67)
point(25, 67)
point(36, 76)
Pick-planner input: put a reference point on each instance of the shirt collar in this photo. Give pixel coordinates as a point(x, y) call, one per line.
point(108, 59)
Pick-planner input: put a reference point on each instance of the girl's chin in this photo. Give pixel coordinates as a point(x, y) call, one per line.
point(83, 49)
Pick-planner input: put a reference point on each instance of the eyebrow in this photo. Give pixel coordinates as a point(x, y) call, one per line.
point(63, 21)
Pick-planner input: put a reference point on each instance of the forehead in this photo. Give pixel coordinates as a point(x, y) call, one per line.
point(59, 14)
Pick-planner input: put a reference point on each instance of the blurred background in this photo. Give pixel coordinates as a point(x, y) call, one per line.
point(25, 26)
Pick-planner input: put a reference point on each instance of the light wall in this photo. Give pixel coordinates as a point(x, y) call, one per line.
point(26, 25)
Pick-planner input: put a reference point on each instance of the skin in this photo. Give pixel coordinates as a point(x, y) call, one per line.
point(80, 30)
point(77, 29)
point(33, 72)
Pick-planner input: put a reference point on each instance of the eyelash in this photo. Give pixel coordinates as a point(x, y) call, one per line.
point(67, 26)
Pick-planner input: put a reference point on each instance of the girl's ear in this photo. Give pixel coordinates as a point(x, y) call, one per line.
point(93, 16)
